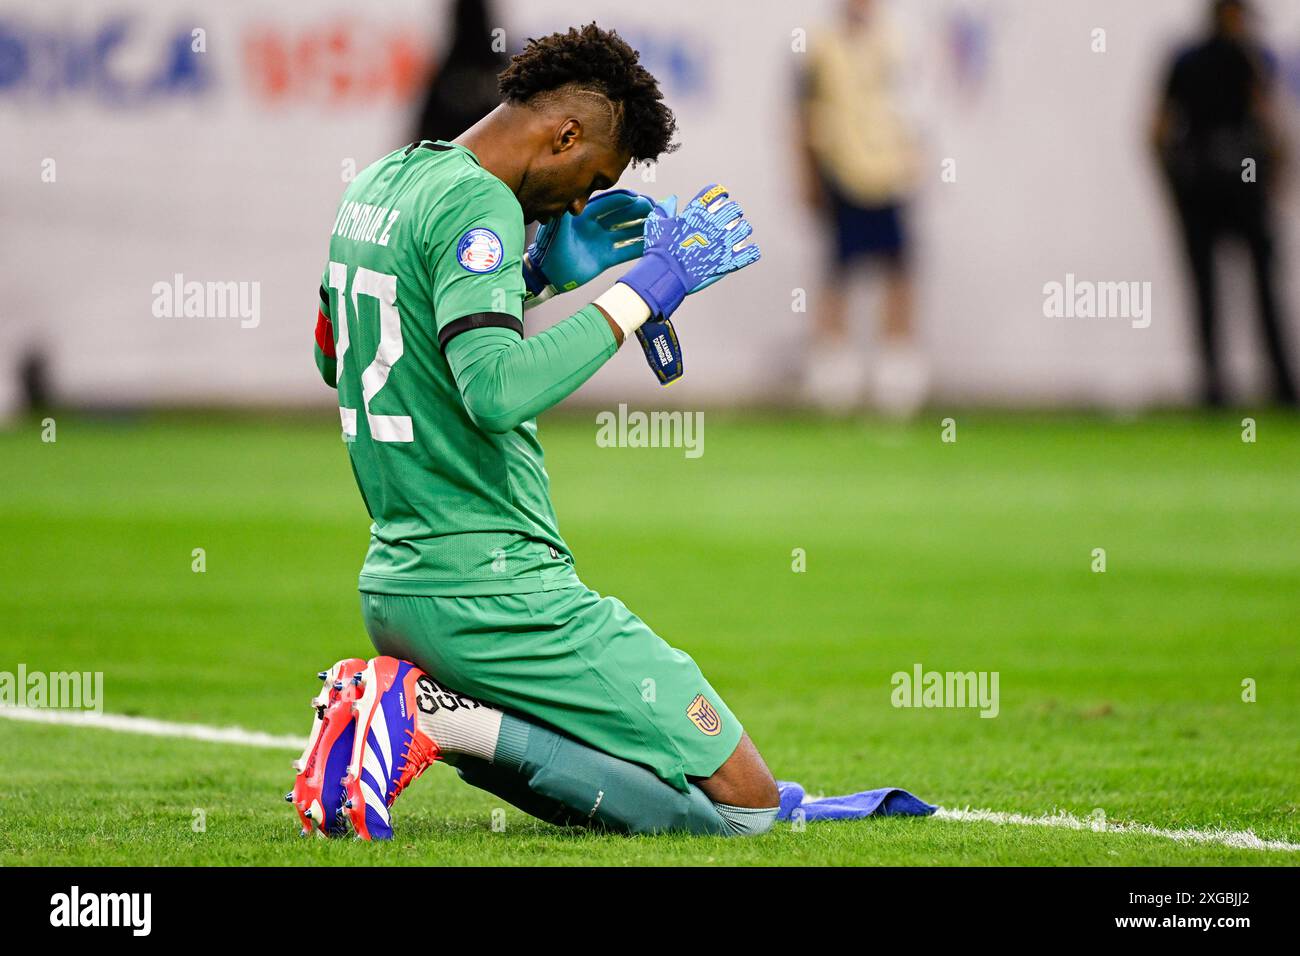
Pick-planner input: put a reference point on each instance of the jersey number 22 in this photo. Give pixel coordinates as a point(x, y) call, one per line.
point(381, 287)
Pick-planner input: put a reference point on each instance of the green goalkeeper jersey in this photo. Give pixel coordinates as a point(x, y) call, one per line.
point(427, 244)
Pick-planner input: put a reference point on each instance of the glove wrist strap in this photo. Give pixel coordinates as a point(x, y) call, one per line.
point(657, 279)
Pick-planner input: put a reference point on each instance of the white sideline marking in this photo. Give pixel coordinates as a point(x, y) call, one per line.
point(1237, 839)
point(155, 728)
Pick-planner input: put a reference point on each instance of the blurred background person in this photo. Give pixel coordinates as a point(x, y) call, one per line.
point(1217, 113)
point(464, 87)
point(858, 165)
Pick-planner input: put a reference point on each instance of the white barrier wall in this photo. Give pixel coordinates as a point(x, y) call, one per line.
point(125, 163)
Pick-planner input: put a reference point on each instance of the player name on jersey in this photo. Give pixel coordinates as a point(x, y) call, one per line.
point(363, 222)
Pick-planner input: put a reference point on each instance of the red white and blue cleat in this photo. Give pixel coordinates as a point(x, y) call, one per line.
point(388, 748)
point(317, 792)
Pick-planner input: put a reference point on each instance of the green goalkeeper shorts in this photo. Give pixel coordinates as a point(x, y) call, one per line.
point(570, 659)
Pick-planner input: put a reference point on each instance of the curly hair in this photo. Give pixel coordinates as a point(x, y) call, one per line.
point(592, 60)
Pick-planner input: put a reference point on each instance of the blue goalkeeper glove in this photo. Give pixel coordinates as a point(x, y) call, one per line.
point(570, 251)
point(657, 336)
point(686, 252)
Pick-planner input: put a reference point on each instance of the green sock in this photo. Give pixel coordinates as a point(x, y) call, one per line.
point(512, 787)
point(616, 794)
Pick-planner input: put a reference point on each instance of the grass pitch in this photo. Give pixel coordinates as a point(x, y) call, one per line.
point(1120, 691)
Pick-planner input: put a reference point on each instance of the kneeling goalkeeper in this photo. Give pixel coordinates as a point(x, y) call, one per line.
point(496, 658)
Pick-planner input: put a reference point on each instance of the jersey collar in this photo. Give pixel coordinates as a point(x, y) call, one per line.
point(442, 145)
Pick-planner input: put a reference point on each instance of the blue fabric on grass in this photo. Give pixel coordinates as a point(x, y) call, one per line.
point(885, 802)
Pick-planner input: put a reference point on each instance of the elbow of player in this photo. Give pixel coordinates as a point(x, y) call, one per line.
point(492, 416)
point(486, 396)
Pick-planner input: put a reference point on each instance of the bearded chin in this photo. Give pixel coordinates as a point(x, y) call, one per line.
point(534, 196)
point(530, 212)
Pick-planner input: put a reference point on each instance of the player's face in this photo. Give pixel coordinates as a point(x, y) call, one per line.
point(564, 181)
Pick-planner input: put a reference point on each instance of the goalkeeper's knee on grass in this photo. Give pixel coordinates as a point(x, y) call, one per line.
point(747, 821)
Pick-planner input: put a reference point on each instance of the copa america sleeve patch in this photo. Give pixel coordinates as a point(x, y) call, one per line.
point(479, 250)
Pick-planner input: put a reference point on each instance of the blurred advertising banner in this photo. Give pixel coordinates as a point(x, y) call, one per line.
point(171, 172)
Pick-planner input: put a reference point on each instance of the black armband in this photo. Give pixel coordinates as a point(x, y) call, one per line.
point(479, 320)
